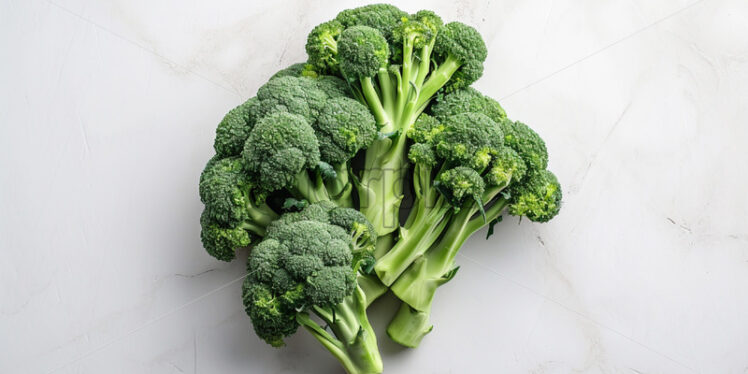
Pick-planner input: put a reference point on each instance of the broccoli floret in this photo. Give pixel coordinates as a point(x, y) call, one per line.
point(279, 153)
point(460, 183)
point(382, 17)
point(221, 242)
point(306, 267)
point(528, 144)
point(230, 213)
point(467, 100)
point(469, 139)
point(294, 70)
point(461, 46)
point(538, 198)
point(234, 129)
point(296, 95)
point(363, 51)
point(343, 128)
point(322, 47)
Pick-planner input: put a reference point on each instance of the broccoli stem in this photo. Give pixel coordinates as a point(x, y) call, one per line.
point(251, 226)
point(388, 92)
point(339, 189)
point(406, 75)
point(369, 283)
point(372, 99)
point(437, 79)
point(380, 188)
point(423, 69)
point(260, 214)
point(312, 190)
point(409, 326)
point(425, 230)
point(353, 341)
point(416, 286)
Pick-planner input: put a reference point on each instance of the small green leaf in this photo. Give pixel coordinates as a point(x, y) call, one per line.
point(491, 224)
point(326, 171)
point(293, 205)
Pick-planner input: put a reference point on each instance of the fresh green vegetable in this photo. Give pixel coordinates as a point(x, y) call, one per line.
point(307, 264)
point(311, 173)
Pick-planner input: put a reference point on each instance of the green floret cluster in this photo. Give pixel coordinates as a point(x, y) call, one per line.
point(310, 175)
point(307, 264)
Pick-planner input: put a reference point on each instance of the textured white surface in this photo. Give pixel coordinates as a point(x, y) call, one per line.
point(107, 114)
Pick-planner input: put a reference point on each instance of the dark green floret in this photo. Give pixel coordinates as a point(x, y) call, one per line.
point(527, 143)
point(469, 139)
point(322, 47)
point(234, 129)
point(221, 242)
point(467, 100)
point(279, 151)
point(296, 95)
point(294, 70)
point(382, 17)
point(344, 127)
point(363, 51)
point(308, 267)
point(538, 198)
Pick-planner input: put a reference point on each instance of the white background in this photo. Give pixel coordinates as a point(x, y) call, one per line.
point(107, 116)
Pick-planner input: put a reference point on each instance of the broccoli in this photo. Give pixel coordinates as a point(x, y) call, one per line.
point(311, 172)
point(307, 265)
point(512, 168)
point(231, 215)
point(395, 63)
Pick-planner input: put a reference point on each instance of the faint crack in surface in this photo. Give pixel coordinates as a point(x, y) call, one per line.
point(606, 47)
point(149, 50)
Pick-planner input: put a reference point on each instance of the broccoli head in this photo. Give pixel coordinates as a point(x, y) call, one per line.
point(224, 189)
point(537, 198)
point(467, 100)
point(322, 46)
point(382, 17)
point(219, 241)
point(234, 129)
point(460, 183)
point(307, 259)
point(362, 51)
point(344, 127)
point(528, 144)
point(469, 139)
point(458, 43)
point(280, 146)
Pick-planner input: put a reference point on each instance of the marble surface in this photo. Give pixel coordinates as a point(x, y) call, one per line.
point(107, 114)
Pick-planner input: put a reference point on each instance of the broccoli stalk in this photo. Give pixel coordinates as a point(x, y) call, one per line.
point(352, 341)
point(536, 198)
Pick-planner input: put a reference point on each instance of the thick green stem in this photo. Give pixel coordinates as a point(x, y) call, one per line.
point(388, 91)
point(437, 80)
point(416, 286)
point(251, 226)
point(312, 190)
point(409, 326)
point(414, 242)
point(339, 189)
point(380, 187)
point(354, 343)
point(370, 283)
point(372, 99)
point(425, 63)
point(407, 76)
